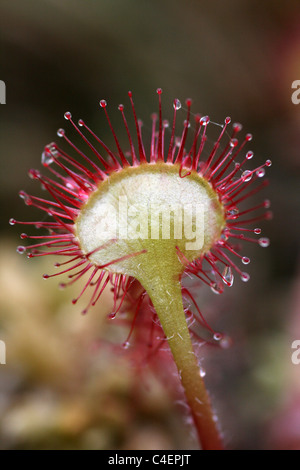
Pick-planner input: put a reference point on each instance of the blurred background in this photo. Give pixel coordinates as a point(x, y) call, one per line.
point(66, 383)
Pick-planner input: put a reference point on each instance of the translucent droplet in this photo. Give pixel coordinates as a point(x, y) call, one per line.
point(249, 137)
point(257, 231)
point(264, 242)
point(125, 345)
point(112, 315)
point(245, 260)
point(224, 236)
point(218, 336)
point(26, 198)
point(269, 215)
point(245, 277)
point(68, 115)
point(103, 103)
point(60, 132)
point(177, 141)
point(233, 213)
point(225, 342)
point(260, 173)
point(228, 276)
point(34, 174)
point(237, 127)
point(165, 123)
point(12, 221)
point(177, 104)
point(233, 143)
point(121, 107)
point(216, 288)
point(246, 175)
point(249, 155)
point(46, 158)
point(204, 120)
point(202, 372)
point(21, 249)
point(268, 162)
point(80, 122)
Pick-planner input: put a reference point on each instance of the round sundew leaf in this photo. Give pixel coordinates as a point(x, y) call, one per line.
point(151, 212)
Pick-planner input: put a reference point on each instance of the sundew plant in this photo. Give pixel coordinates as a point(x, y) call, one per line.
point(153, 215)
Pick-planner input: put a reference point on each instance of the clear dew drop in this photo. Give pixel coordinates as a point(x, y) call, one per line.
point(257, 231)
point(125, 345)
point(233, 143)
point(177, 141)
point(246, 175)
point(46, 158)
point(177, 104)
point(233, 213)
point(245, 277)
point(202, 372)
point(216, 288)
point(245, 260)
point(21, 249)
point(218, 336)
point(260, 173)
point(224, 236)
point(204, 120)
point(34, 174)
point(228, 276)
point(60, 132)
point(264, 242)
point(225, 342)
point(68, 115)
point(12, 221)
point(249, 155)
point(25, 196)
point(237, 127)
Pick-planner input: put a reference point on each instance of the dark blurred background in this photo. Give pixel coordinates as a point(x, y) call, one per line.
point(236, 58)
